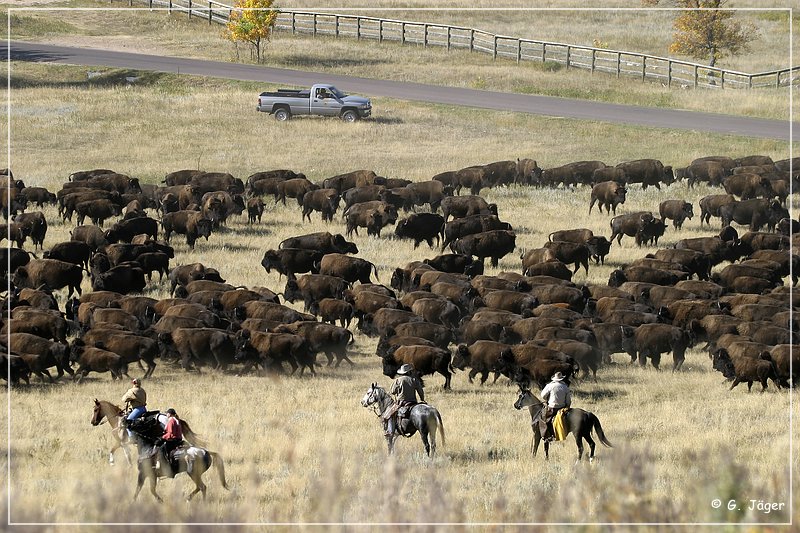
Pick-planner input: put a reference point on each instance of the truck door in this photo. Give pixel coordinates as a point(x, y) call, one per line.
point(324, 103)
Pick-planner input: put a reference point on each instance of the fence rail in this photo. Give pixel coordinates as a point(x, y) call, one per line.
point(619, 63)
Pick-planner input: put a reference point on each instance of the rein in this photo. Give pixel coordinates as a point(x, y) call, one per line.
point(377, 408)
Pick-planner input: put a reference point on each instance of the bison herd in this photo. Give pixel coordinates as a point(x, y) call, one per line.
point(443, 313)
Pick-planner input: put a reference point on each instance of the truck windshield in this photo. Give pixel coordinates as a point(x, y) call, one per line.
point(337, 92)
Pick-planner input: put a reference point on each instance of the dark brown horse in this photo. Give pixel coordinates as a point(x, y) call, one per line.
point(577, 421)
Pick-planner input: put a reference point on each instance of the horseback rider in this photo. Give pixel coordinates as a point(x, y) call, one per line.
point(134, 400)
point(404, 389)
point(556, 395)
point(172, 438)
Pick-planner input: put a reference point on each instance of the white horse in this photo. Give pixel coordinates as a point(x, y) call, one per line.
point(423, 418)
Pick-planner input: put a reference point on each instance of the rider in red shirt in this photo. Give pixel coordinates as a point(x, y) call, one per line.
point(173, 434)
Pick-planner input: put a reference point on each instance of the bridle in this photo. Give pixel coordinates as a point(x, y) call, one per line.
point(373, 401)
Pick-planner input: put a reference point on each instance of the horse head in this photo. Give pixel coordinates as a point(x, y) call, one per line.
point(370, 397)
point(97, 413)
point(526, 399)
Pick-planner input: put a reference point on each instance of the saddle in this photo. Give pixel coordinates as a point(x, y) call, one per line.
point(147, 424)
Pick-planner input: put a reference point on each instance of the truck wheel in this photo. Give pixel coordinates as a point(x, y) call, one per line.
point(349, 116)
point(282, 114)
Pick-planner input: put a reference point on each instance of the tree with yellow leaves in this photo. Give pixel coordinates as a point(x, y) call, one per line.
point(252, 22)
point(705, 30)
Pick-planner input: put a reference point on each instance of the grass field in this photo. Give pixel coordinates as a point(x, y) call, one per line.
point(304, 450)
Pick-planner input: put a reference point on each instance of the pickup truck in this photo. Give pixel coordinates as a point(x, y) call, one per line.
point(321, 99)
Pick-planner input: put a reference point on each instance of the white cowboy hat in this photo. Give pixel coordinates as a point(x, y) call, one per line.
point(405, 370)
point(558, 376)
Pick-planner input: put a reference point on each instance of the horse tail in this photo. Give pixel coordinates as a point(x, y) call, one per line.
point(441, 426)
point(219, 466)
point(599, 430)
point(193, 438)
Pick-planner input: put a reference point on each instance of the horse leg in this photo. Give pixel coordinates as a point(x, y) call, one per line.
point(579, 442)
point(198, 484)
point(535, 439)
point(139, 483)
point(424, 436)
point(547, 450)
point(588, 437)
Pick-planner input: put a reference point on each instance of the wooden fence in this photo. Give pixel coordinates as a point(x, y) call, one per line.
point(628, 64)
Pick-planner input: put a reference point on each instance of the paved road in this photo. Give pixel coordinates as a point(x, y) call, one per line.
point(539, 105)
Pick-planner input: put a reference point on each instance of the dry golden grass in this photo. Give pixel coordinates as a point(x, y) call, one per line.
point(304, 450)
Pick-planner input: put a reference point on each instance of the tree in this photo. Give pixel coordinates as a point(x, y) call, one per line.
point(705, 31)
point(252, 22)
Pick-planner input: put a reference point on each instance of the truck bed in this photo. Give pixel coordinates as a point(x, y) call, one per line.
point(288, 93)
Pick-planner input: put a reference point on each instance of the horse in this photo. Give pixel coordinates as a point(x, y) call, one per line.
point(423, 418)
point(577, 421)
point(114, 415)
point(191, 458)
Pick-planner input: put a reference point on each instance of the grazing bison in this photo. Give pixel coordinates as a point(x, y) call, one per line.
point(461, 227)
point(465, 206)
point(323, 241)
point(350, 269)
point(710, 206)
point(314, 287)
point(34, 225)
point(291, 261)
point(51, 273)
point(326, 201)
point(609, 194)
point(421, 227)
point(756, 213)
point(747, 186)
point(425, 359)
point(631, 225)
point(494, 244)
point(190, 223)
point(647, 172)
point(652, 340)
point(430, 192)
point(675, 210)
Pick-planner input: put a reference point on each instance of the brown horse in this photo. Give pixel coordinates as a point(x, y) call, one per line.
point(112, 413)
point(577, 421)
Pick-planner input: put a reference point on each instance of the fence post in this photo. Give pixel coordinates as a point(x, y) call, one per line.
point(169, 7)
point(749, 82)
point(190, 8)
point(471, 40)
point(594, 54)
point(619, 63)
point(358, 28)
point(424, 35)
point(380, 30)
point(294, 22)
point(669, 73)
point(644, 66)
point(695, 76)
point(130, 3)
point(150, 2)
point(402, 33)
point(569, 49)
point(494, 47)
point(778, 79)
point(449, 29)
point(722, 79)
point(314, 31)
point(544, 52)
point(209, 12)
point(519, 50)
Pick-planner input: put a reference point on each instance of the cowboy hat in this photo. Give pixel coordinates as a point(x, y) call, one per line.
point(171, 411)
point(558, 376)
point(405, 369)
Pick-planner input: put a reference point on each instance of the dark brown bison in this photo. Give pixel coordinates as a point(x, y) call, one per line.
point(609, 194)
point(190, 223)
point(676, 210)
point(314, 287)
point(465, 206)
point(647, 172)
point(349, 268)
point(326, 201)
point(755, 213)
point(461, 227)
point(51, 273)
point(421, 227)
point(652, 340)
point(292, 261)
point(494, 244)
point(323, 241)
point(425, 359)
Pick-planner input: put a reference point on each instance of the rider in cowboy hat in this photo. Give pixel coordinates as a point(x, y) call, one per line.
point(556, 395)
point(405, 390)
point(135, 400)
